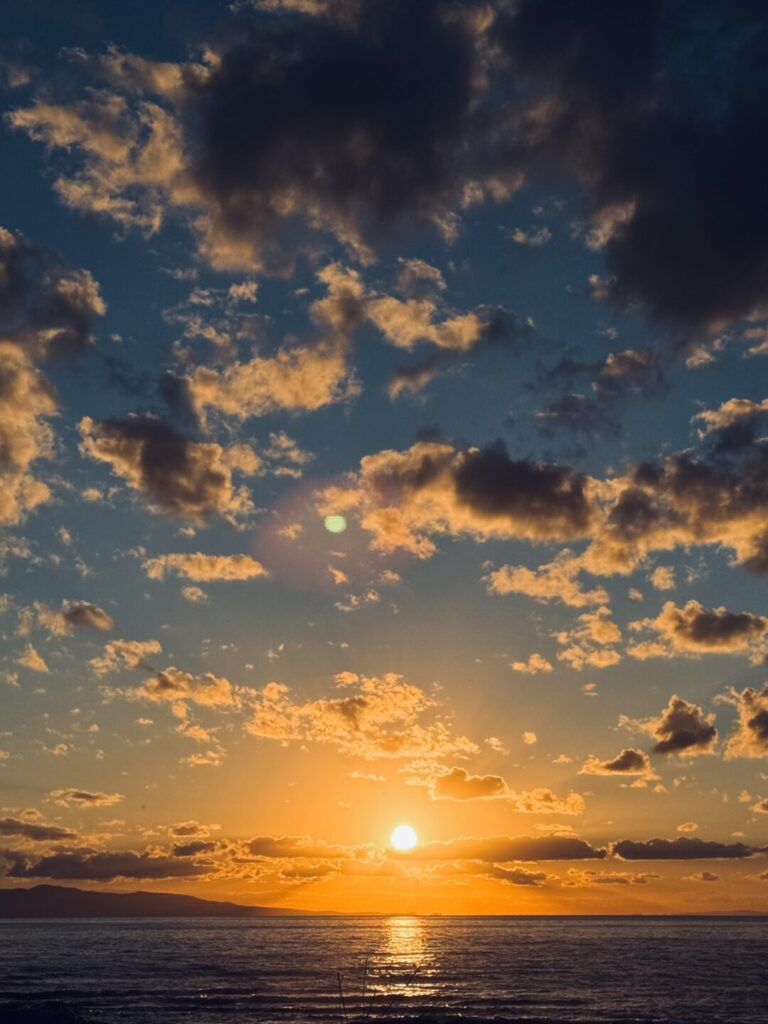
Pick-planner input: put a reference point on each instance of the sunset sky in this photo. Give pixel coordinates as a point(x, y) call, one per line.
point(383, 441)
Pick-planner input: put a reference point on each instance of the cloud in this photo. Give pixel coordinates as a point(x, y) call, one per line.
point(695, 630)
point(578, 414)
point(82, 615)
point(506, 849)
point(663, 578)
point(611, 380)
point(172, 685)
point(299, 379)
point(680, 728)
point(356, 142)
point(25, 435)
point(610, 88)
point(458, 784)
point(418, 279)
point(204, 568)
point(553, 581)
point(84, 798)
point(543, 801)
point(290, 847)
point(71, 616)
point(208, 759)
point(353, 141)
point(35, 831)
point(184, 829)
point(627, 762)
point(194, 849)
point(190, 479)
point(701, 876)
point(586, 879)
point(750, 735)
point(591, 642)
point(382, 718)
point(46, 308)
point(404, 498)
point(125, 654)
point(30, 658)
point(761, 807)
point(536, 663)
point(682, 848)
point(535, 237)
point(104, 867)
point(734, 423)
point(517, 876)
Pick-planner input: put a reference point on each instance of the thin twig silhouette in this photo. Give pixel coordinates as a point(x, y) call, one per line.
point(341, 996)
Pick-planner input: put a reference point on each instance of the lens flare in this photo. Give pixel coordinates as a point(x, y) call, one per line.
point(335, 524)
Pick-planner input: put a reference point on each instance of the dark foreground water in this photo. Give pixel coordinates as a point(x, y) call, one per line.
point(711, 971)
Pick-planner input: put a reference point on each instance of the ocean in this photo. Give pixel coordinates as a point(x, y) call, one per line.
point(442, 969)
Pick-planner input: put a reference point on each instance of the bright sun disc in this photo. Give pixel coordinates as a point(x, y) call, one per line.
point(403, 837)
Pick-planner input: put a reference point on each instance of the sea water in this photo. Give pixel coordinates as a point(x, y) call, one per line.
point(445, 969)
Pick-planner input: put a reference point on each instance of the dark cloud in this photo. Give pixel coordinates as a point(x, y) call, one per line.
point(679, 849)
point(458, 784)
point(406, 499)
point(103, 867)
point(189, 828)
point(750, 735)
point(578, 414)
point(552, 497)
point(497, 329)
point(84, 798)
point(35, 831)
point(517, 876)
point(691, 498)
point(502, 849)
point(435, 488)
point(45, 306)
point(194, 849)
point(657, 110)
point(294, 846)
point(628, 762)
point(682, 728)
point(363, 126)
point(358, 123)
point(638, 371)
point(176, 475)
point(718, 628)
point(694, 629)
point(82, 615)
point(611, 380)
point(46, 310)
point(735, 424)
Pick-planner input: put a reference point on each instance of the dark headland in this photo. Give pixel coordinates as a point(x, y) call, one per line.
point(60, 901)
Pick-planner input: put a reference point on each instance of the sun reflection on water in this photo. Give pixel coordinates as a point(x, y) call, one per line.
point(406, 960)
point(404, 941)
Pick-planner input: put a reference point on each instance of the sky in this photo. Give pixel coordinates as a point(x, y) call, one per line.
point(382, 438)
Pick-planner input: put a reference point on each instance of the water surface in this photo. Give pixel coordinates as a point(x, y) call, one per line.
point(445, 969)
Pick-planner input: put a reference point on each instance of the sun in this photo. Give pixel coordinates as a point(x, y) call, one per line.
point(403, 837)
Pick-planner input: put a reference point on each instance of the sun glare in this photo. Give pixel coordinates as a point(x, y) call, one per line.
point(403, 837)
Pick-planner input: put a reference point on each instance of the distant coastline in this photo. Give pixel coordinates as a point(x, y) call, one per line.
point(57, 901)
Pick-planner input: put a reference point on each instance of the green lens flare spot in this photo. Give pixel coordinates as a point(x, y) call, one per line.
point(335, 524)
